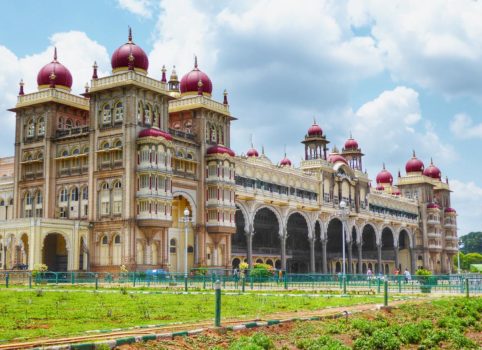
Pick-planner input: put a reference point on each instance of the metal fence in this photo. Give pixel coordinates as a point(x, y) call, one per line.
point(278, 281)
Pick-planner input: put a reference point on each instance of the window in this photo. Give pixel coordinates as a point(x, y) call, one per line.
point(61, 123)
point(117, 239)
point(63, 212)
point(172, 246)
point(157, 119)
point(30, 129)
point(85, 193)
point(69, 124)
point(39, 198)
point(74, 195)
point(139, 112)
point(105, 240)
point(64, 197)
point(41, 127)
point(106, 114)
point(28, 198)
point(148, 115)
point(119, 112)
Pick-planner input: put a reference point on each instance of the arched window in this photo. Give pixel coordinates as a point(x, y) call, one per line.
point(117, 239)
point(39, 198)
point(106, 114)
point(61, 123)
point(104, 199)
point(105, 240)
point(74, 194)
point(119, 112)
point(2, 202)
point(76, 151)
point(28, 198)
point(85, 193)
point(69, 124)
point(172, 246)
point(105, 146)
point(157, 117)
point(30, 128)
point(148, 115)
point(64, 196)
point(118, 185)
point(41, 127)
point(65, 153)
point(40, 156)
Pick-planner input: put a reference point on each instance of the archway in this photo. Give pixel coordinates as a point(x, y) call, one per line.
point(24, 249)
point(180, 248)
point(54, 253)
point(318, 248)
point(239, 245)
point(297, 244)
point(388, 247)
point(404, 251)
point(266, 240)
point(334, 246)
point(369, 244)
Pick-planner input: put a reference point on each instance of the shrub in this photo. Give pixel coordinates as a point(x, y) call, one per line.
point(258, 341)
point(243, 266)
point(411, 333)
point(382, 339)
point(324, 342)
point(261, 270)
point(38, 269)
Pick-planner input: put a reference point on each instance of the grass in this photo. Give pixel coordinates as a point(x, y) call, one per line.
point(38, 313)
point(453, 323)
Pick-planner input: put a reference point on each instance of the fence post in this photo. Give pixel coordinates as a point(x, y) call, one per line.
point(96, 281)
point(134, 279)
point(204, 281)
point(217, 316)
point(467, 287)
point(378, 285)
point(243, 287)
point(30, 280)
point(399, 283)
point(385, 293)
point(7, 278)
point(56, 278)
point(251, 282)
point(185, 283)
point(72, 278)
point(285, 280)
point(344, 284)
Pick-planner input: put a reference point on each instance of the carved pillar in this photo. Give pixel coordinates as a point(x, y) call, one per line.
point(360, 265)
point(397, 262)
point(283, 252)
point(349, 247)
point(324, 257)
point(249, 243)
point(312, 255)
point(379, 258)
point(413, 266)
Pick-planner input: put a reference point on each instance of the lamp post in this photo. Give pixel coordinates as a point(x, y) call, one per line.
point(185, 220)
point(458, 257)
point(343, 218)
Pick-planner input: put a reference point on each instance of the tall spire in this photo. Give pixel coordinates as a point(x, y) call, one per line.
point(383, 165)
point(21, 93)
point(94, 70)
point(413, 154)
point(314, 120)
point(163, 70)
point(129, 37)
point(195, 61)
point(225, 100)
point(251, 137)
point(55, 54)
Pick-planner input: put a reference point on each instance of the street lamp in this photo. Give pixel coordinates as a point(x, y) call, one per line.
point(343, 218)
point(186, 221)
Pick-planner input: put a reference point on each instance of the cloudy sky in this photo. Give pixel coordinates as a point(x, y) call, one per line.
point(399, 75)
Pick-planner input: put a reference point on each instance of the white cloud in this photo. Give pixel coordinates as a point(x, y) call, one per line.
point(463, 127)
point(138, 7)
point(390, 126)
point(75, 50)
point(467, 199)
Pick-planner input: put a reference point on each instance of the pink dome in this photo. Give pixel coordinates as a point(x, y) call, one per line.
point(380, 188)
point(450, 210)
point(285, 162)
point(334, 157)
point(351, 144)
point(252, 152)
point(432, 171)
point(151, 132)
point(384, 177)
point(129, 54)
point(414, 165)
point(315, 130)
point(433, 206)
point(190, 81)
point(220, 149)
point(54, 74)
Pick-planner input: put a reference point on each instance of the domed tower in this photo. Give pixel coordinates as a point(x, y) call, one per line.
point(54, 75)
point(414, 166)
point(353, 154)
point(384, 179)
point(129, 57)
point(173, 83)
point(315, 143)
point(196, 82)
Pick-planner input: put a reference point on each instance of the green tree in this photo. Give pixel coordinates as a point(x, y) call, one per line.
point(471, 243)
point(468, 259)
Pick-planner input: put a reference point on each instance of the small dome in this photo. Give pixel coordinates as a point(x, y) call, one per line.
point(220, 149)
point(54, 74)
point(351, 144)
point(450, 210)
point(396, 192)
point(151, 132)
point(191, 81)
point(129, 56)
point(380, 188)
point(384, 177)
point(315, 130)
point(433, 206)
point(433, 171)
point(335, 157)
point(252, 152)
point(285, 161)
point(414, 165)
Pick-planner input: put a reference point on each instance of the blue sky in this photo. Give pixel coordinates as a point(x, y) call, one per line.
point(401, 75)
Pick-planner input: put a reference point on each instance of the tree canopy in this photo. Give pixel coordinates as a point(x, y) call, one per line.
point(471, 243)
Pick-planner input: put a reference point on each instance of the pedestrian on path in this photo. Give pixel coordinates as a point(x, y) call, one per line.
point(407, 275)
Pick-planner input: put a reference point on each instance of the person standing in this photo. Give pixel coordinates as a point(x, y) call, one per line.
point(407, 275)
point(369, 273)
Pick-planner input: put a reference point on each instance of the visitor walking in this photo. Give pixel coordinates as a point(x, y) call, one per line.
point(407, 275)
point(369, 273)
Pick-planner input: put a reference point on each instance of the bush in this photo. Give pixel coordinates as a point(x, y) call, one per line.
point(258, 341)
point(324, 342)
point(261, 270)
point(412, 333)
point(382, 339)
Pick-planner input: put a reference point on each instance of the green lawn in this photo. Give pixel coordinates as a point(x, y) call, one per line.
point(31, 314)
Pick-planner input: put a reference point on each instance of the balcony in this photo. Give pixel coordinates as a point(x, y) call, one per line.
point(73, 132)
point(198, 102)
point(451, 238)
point(435, 246)
point(434, 235)
point(181, 134)
point(433, 222)
point(449, 224)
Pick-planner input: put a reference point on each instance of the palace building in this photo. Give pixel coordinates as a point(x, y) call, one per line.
point(103, 179)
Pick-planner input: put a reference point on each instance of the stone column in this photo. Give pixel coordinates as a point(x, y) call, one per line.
point(379, 258)
point(283, 252)
point(397, 262)
point(312, 256)
point(413, 265)
point(350, 258)
point(324, 257)
point(249, 243)
point(360, 264)
point(196, 246)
